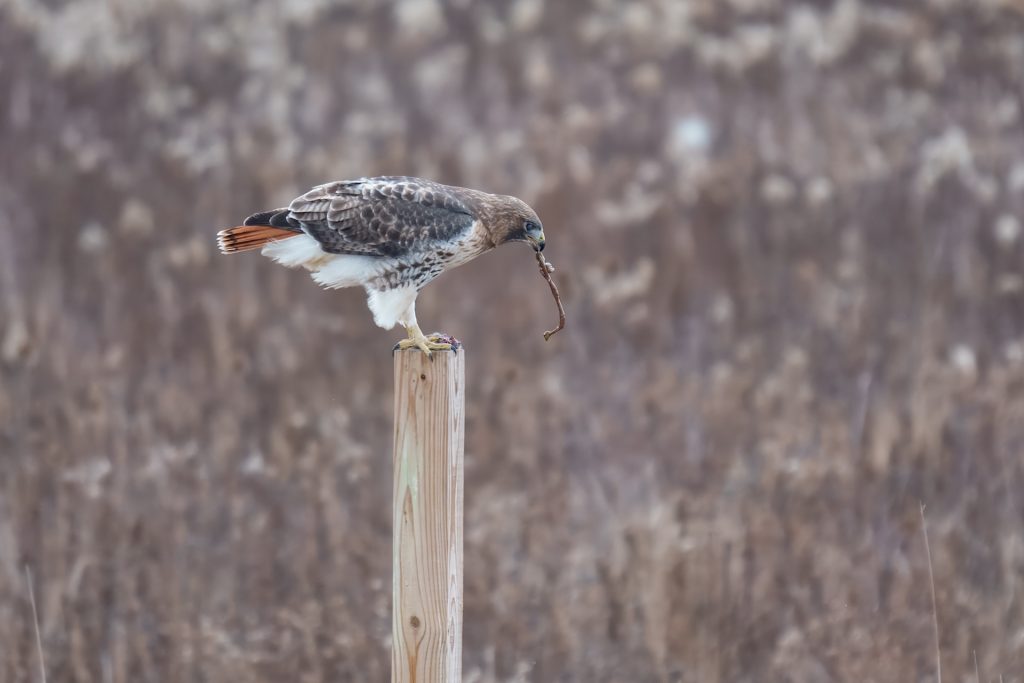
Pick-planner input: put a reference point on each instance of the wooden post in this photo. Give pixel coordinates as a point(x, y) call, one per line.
point(426, 625)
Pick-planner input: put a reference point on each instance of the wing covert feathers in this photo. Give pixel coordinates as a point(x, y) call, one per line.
point(249, 237)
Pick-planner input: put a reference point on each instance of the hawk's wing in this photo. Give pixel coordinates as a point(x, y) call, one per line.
point(388, 216)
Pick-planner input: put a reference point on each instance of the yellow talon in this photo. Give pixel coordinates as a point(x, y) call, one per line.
point(421, 341)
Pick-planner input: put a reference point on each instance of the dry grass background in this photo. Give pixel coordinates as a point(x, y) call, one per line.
point(788, 236)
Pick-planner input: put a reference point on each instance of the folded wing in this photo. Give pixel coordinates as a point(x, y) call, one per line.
point(389, 216)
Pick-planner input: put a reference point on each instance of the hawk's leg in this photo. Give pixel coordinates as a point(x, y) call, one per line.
point(423, 342)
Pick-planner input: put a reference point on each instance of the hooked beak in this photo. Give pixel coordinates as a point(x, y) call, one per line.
point(537, 242)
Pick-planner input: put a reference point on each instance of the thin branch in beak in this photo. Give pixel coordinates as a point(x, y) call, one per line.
point(545, 270)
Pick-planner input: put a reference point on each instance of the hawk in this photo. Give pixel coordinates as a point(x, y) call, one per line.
point(390, 235)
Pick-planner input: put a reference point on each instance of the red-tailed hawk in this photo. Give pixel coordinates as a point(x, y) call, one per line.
point(389, 235)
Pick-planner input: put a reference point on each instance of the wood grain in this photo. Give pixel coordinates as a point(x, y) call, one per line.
point(427, 562)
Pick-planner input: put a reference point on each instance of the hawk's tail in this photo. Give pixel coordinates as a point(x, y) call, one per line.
point(258, 229)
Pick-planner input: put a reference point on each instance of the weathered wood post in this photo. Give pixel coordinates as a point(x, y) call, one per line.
point(430, 425)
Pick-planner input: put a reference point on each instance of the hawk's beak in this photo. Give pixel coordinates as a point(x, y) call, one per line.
point(538, 242)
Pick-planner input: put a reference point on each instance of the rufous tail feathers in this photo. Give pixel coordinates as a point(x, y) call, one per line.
point(249, 237)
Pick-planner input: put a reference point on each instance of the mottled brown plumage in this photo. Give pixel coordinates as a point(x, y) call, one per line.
point(391, 235)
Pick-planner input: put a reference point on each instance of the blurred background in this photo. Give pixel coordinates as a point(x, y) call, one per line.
point(788, 238)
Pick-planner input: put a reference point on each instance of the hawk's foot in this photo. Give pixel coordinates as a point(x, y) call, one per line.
point(442, 338)
point(428, 343)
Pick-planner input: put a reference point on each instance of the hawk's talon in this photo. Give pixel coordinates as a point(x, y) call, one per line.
point(426, 344)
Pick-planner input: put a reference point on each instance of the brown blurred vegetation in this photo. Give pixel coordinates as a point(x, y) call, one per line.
point(788, 236)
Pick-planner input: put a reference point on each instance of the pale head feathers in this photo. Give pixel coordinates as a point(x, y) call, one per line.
point(504, 218)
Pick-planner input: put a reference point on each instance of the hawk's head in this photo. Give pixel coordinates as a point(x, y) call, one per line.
point(511, 219)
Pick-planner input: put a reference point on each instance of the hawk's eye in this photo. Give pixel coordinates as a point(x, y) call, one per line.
point(530, 226)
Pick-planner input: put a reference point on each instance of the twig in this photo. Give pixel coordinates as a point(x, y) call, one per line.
point(935, 609)
point(546, 269)
point(977, 673)
point(35, 619)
